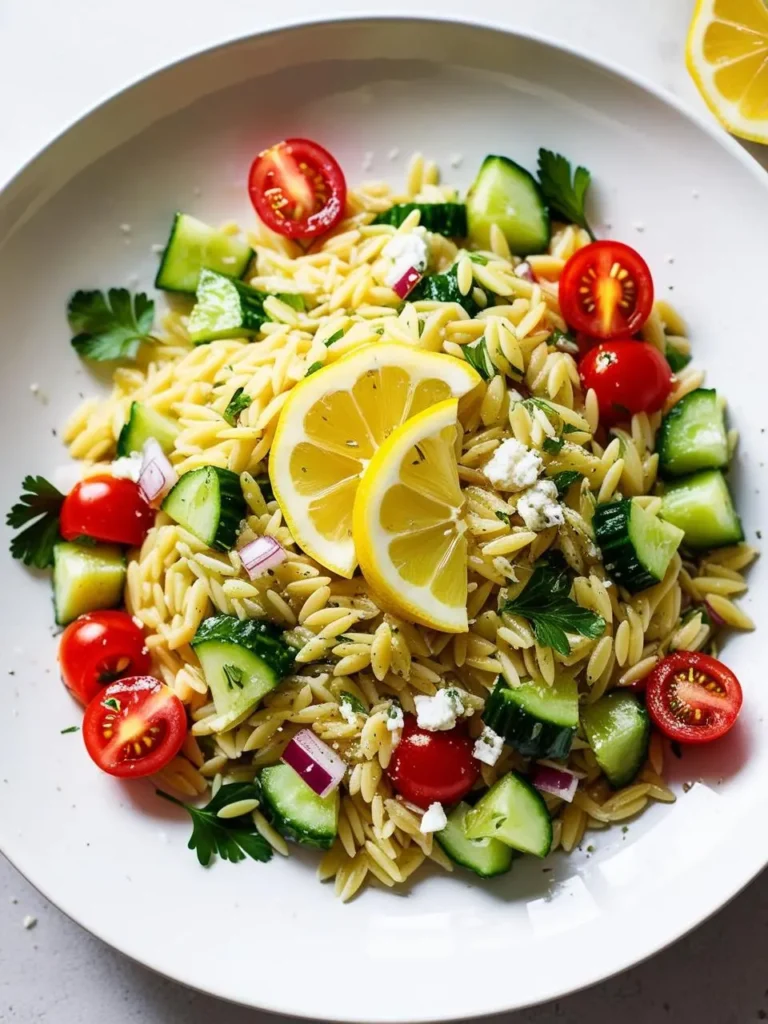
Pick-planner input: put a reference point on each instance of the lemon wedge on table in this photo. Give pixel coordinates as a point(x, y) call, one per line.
point(408, 534)
point(727, 56)
point(331, 427)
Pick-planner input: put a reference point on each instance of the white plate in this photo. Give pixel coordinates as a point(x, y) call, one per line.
point(113, 856)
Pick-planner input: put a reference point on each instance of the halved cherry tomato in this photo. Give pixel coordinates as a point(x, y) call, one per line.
point(99, 648)
point(628, 377)
point(297, 188)
point(429, 767)
point(692, 698)
point(134, 727)
point(107, 508)
point(606, 290)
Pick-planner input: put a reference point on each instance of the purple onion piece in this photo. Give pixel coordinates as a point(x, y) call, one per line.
point(315, 762)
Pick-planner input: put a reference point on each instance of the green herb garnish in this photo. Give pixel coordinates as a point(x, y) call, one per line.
point(112, 703)
point(110, 326)
point(553, 445)
point(563, 481)
point(355, 705)
point(334, 338)
point(503, 516)
point(238, 403)
point(565, 195)
point(313, 369)
point(39, 505)
point(477, 356)
point(70, 728)
point(234, 676)
point(677, 360)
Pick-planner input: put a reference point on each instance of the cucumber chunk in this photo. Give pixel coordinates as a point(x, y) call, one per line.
point(193, 245)
point(636, 546)
point(701, 506)
point(538, 720)
point(693, 435)
point(449, 219)
point(208, 502)
point(513, 812)
point(145, 422)
point(298, 812)
point(618, 730)
point(444, 288)
point(242, 661)
point(506, 194)
point(486, 857)
point(86, 577)
point(227, 308)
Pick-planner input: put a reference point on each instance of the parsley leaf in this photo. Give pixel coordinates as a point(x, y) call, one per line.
point(477, 356)
point(349, 698)
point(564, 196)
point(238, 403)
point(334, 338)
point(231, 838)
point(110, 326)
point(547, 606)
point(503, 516)
point(39, 505)
point(234, 676)
point(70, 728)
point(553, 445)
point(677, 360)
point(563, 481)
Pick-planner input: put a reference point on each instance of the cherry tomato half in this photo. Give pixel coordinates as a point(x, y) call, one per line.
point(99, 648)
point(433, 766)
point(627, 377)
point(297, 188)
point(692, 698)
point(134, 727)
point(606, 290)
point(107, 508)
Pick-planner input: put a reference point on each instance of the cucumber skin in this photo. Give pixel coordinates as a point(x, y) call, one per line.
point(162, 270)
point(124, 446)
point(543, 241)
point(232, 506)
point(444, 288)
point(618, 780)
point(667, 429)
point(527, 734)
point(448, 219)
point(611, 526)
point(450, 851)
point(250, 305)
point(261, 638)
point(288, 829)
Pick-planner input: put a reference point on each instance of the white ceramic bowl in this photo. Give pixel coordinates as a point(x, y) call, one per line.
point(113, 856)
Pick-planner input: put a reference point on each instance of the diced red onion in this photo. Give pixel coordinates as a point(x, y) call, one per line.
point(717, 620)
point(260, 555)
point(557, 781)
point(157, 475)
point(525, 271)
point(315, 762)
point(407, 282)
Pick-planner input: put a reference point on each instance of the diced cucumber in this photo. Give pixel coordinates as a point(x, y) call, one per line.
point(145, 422)
point(636, 545)
point(444, 288)
point(242, 661)
point(701, 506)
point(298, 812)
point(513, 812)
point(693, 435)
point(227, 308)
point(86, 577)
point(449, 219)
point(618, 730)
point(536, 719)
point(208, 502)
point(193, 245)
point(486, 857)
point(505, 194)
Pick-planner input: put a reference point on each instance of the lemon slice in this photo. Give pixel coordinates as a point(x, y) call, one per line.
point(727, 56)
point(331, 427)
point(408, 534)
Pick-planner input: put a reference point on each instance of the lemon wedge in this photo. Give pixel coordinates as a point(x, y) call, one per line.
point(408, 532)
point(727, 56)
point(331, 427)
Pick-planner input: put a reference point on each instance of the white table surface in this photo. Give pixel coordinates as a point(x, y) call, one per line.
point(58, 58)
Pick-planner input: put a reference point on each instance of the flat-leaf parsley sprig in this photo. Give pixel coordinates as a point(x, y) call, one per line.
point(39, 505)
point(112, 325)
point(564, 194)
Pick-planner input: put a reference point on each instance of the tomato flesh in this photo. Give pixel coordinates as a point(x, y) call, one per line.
point(106, 508)
point(429, 767)
point(693, 698)
point(297, 188)
point(606, 290)
point(99, 648)
point(628, 377)
point(134, 727)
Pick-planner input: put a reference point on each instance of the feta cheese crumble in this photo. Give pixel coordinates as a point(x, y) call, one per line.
point(405, 251)
point(128, 466)
point(488, 746)
point(439, 713)
point(434, 819)
point(395, 720)
point(348, 713)
point(513, 467)
point(539, 506)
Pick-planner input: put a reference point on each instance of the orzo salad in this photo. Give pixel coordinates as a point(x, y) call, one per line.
point(406, 535)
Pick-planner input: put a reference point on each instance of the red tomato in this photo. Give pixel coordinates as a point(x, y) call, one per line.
point(99, 648)
point(107, 508)
point(134, 727)
point(606, 290)
point(627, 377)
point(692, 698)
point(433, 766)
point(297, 188)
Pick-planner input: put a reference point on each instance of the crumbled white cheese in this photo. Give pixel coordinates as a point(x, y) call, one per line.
point(488, 746)
point(434, 819)
point(128, 466)
point(513, 467)
point(405, 251)
point(348, 713)
point(395, 720)
point(539, 506)
point(440, 712)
